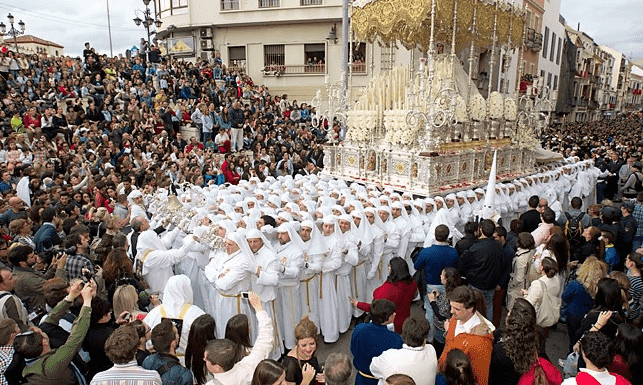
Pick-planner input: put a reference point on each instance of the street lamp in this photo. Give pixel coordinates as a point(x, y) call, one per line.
point(12, 31)
point(147, 22)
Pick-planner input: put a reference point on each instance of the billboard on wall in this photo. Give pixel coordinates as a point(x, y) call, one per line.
point(178, 46)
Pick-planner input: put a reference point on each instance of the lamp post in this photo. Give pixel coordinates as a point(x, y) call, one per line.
point(12, 31)
point(147, 22)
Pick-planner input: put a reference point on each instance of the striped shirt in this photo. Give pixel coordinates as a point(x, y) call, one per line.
point(127, 374)
point(636, 289)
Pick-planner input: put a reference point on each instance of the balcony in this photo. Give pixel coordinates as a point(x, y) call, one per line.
point(277, 71)
point(311, 2)
point(534, 40)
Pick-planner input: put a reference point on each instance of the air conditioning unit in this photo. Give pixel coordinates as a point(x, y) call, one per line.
point(206, 45)
point(205, 33)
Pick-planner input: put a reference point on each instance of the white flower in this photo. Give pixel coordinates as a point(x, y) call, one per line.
point(478, 108)
point(511, 110)
point(496, 107)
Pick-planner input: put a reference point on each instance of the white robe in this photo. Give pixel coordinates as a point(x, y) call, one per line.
point(228, 276)
point(329, 317)
point(344, 289)
point(288, 303)
point(177, 296)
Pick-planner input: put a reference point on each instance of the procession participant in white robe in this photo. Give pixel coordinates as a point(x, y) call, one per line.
point(392, 238)
point(137, 208)
point(374, 278)
point(401, 220)
point(521, 199)
point(314, 250)
point(429, 211)
point(466, 214)
point(451, 203)
point(416, 221)
point(365, 236)
point(328, 304)
point(420, 209)
point(177, 304)
point(290, 255)
point(229, 277)
point(196, 261)
point(156, 259)
point(264, 279)
point(350, 258)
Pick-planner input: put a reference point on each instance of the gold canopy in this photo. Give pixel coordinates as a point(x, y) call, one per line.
point(409, 22)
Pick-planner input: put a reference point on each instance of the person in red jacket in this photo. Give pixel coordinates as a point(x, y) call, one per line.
point(399, 288)
point(228, 169)
point(469, 331)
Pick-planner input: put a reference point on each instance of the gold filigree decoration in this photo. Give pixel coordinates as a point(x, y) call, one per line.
point(409, 22)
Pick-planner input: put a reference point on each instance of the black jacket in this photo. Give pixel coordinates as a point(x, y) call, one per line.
point(482, 264)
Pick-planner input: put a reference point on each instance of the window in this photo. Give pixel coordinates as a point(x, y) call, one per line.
point(310, 2)
point(528, 18)
point(553, 47)
point(171, 7)
point(560, 43)
point(273, 55)
point(549, 80)
point(545, 42)
point(227, 5)
point(387, 58)
point(555, 82)
point(315, 58)
point(268, 3)
point(237, 57)
point(359, 58)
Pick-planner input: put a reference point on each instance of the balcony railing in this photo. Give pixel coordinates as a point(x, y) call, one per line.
point(268, 3)
point(311, 2)
point(358, 68)
point(317, 69)
point(534, 40)
point(227, 5)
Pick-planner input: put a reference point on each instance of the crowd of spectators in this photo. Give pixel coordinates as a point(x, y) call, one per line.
point(81, 134)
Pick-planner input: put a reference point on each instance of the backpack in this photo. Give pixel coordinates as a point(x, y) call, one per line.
point(574, 228)
point(638, 185)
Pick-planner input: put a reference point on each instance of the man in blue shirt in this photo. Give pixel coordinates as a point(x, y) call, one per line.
point(433, 260)
point(369, 340)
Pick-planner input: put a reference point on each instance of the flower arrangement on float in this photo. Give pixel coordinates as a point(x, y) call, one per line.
point(398, 132)
point(361, 124)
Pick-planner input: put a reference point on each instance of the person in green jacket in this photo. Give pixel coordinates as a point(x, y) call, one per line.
point(54, 366)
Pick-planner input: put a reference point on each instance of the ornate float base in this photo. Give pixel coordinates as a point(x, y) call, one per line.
point(456, 167)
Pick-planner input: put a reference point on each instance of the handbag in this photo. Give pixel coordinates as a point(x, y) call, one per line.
point(548, 309)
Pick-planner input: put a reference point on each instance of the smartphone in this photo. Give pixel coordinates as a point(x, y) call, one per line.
point(245, 295)
point(127, 317)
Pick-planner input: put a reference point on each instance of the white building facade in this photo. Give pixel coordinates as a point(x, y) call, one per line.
point(553, 31)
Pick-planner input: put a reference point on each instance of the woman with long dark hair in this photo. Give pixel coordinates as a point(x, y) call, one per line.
point(450, 278)
point(399, 288)
point(458, 370)
point(237, 330)
point(201, 332)
point(515, 358)
point(607, 313)
point(627, 348)
point(271, 372)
